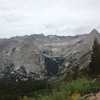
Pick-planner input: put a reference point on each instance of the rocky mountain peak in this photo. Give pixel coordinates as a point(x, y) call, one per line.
point(47, 55)
point(94, 34)
point(94, 31)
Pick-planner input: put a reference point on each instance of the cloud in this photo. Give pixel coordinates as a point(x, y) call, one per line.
point(62, 17)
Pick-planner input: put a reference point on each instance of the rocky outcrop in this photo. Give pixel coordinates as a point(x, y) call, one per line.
point(47, 56)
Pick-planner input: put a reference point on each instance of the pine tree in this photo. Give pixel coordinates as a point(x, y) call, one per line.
point(95, 59)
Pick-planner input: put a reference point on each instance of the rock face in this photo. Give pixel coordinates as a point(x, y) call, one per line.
point(47, 55)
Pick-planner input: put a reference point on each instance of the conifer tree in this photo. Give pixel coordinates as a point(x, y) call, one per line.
point(95, 59)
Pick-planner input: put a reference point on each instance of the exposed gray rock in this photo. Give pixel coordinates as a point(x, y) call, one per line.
point(48, 56)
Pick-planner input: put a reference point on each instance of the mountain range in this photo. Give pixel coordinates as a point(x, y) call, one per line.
point(47, 56)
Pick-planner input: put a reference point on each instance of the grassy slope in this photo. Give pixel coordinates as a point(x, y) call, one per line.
point(66, 91)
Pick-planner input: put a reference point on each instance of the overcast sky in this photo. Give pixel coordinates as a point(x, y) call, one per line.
point(61, 17)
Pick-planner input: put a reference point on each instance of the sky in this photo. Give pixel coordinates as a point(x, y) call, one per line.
point(50, 17)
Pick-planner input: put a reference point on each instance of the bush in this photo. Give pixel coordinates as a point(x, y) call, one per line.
point(60, 91)
point(71, 90)
point(82, 86)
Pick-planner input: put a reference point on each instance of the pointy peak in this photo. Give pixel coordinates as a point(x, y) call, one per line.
point(94, 31)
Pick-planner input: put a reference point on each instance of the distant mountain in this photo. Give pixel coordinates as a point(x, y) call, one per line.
point(48, 56)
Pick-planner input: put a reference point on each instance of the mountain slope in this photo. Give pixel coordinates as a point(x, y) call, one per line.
point(47, 55)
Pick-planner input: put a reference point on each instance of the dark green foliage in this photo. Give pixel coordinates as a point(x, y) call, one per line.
point(9, 97)
point(82, 86)
point(22, 87)
point(64, 90)
point(13, 90)
point(94, 68)
point(16, 83)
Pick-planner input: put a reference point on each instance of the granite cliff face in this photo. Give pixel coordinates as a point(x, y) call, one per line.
point(47, 56)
